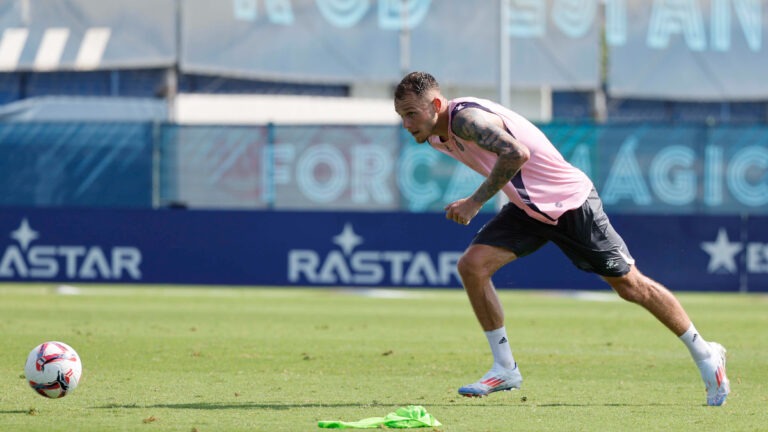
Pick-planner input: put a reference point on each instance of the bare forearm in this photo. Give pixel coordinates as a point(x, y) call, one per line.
point(506, 167)
point(487, 130)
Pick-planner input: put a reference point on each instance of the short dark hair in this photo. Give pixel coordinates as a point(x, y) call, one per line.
point(418, 83)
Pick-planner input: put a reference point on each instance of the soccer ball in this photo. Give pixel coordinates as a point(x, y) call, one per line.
point(53, 369)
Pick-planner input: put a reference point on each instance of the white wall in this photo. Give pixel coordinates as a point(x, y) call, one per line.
point(260, 109)
point(368, 105)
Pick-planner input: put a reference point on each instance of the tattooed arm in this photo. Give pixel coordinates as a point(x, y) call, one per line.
point(487, 130)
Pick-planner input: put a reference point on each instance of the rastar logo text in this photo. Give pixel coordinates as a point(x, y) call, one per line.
point(24, 261)
point(367, 267)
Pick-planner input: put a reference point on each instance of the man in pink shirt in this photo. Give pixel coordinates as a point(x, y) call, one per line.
point(550, 200)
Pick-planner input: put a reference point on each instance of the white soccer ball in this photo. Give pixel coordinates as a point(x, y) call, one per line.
point(53, 369)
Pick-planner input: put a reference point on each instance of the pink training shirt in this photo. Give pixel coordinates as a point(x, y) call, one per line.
point(545, 187)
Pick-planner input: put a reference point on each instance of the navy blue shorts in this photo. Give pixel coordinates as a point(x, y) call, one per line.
point(584, 234)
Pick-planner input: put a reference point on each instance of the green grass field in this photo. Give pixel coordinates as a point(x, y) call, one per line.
point(247, 359)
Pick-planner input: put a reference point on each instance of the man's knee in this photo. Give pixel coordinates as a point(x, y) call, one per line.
point(630, 293)
point(482, 261)
point(632, 287)
point(469, 265)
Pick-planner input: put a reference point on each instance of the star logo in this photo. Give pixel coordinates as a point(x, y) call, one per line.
point(347, 240)
point(24, 234)
point(722, 253)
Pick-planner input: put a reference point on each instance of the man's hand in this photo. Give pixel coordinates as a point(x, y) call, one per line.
point(463, 210)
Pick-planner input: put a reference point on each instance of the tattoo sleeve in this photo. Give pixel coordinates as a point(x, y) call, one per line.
point(475, 125)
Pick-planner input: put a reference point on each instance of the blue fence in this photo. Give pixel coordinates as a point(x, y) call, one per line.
point(649, 169)
point(70, 164)
point(360, 249)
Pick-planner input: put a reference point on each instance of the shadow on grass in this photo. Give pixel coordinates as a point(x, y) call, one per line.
point(278, 406)
point(606, 405)
point(252, 405)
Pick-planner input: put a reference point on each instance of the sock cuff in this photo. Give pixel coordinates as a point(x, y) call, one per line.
point(698, 347)
point(502, 352)
point(501, 331)
point(690, 335)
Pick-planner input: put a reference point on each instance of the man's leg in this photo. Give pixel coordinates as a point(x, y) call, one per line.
point(476, 267)
point(637, 288)
point(659, 301)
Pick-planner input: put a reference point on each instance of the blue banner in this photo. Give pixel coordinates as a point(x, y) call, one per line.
point(648, 169)
point(351, 249)
point(76, 164)
point(363, 41)
point(682, 169)
point(677, 49)
point(87, 34)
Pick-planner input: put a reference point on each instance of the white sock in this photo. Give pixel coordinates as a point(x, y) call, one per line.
point(502, 353)
point(696, 344)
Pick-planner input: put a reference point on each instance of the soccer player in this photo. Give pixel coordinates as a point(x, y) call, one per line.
point(550, 200)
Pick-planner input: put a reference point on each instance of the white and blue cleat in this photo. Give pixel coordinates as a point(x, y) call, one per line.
point(496, 380)
point(713, 373)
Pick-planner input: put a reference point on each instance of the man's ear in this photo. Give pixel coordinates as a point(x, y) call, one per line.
point(437, 103)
